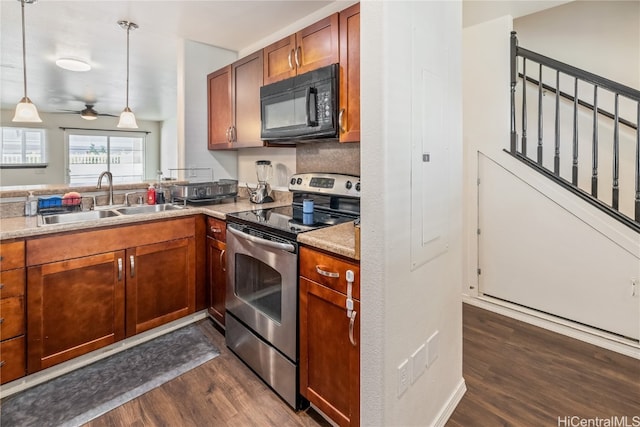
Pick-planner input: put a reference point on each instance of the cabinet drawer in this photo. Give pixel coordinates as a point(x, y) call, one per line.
point(329, 270)
point(12, 283)
point(12, 359)
point(11, 317)
point(11, 255)
point(217, 229)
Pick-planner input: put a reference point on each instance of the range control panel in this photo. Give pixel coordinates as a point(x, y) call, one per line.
point(326, 183)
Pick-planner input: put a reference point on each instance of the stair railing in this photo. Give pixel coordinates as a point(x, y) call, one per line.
point(519, 147)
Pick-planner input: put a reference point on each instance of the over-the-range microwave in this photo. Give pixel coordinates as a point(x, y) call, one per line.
point(302, 108)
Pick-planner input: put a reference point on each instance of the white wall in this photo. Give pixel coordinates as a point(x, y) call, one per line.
point(402, 307)
point(55, 172)
point(195, 61)
point(486, 134)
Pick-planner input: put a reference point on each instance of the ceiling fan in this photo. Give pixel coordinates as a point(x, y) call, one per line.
point(89, 113)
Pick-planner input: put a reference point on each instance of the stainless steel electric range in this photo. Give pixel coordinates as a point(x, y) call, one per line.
point(262, 274)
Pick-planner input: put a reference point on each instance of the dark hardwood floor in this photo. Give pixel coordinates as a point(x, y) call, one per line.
point(521, 375)
point(516, 375)
point(220, 392)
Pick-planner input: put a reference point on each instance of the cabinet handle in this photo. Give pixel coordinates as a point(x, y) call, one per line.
point(119, 269)
point(340, 124)
point(325, 272)
point(2, 362)
point(1, 285)
point(297, 56)
point(215, 230)
point(352, 321)
point(233, 134)
point(1, 320)
point(224, 267)
point(133, 265)
point(289, 59)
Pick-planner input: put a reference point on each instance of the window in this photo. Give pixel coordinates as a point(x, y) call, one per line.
point(93, 152)
point(23, 147)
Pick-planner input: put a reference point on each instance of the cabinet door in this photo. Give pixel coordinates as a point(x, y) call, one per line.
point(75, 306)
point(279, 61)
point(216, 267)
point(12, 359)
point(317, 45)
point(329, 361)
point(160, 284)
point(246, 82)
point(219, 108)
point(349, 114)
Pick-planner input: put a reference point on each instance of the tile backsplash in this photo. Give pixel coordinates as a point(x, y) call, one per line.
point(331, 157)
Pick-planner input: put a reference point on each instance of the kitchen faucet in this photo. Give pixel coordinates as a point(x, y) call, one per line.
point(110, 180)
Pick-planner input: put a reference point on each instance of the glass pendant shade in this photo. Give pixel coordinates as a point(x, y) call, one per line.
point(127, 120)
point(26, 112)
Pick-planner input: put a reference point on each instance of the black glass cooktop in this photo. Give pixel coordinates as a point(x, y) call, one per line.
point(288, 220)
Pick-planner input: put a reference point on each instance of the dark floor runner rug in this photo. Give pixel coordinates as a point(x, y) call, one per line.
point(82, 395)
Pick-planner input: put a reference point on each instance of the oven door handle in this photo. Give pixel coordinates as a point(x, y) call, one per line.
point(276, 245)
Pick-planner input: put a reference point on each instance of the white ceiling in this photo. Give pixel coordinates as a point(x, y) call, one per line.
point(88, 29)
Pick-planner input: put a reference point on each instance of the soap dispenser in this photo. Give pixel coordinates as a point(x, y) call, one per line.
point(151, 195)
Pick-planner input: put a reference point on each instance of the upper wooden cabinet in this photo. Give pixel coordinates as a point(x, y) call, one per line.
point(349, 112)
point(313, 47)
point(234, 104)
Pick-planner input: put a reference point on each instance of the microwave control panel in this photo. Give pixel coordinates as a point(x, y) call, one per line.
point(324, 106)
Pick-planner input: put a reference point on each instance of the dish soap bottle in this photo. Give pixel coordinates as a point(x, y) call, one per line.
point(151, 195)
point(31, 205)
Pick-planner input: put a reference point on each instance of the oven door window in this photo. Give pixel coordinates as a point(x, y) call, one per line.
point(259, 285)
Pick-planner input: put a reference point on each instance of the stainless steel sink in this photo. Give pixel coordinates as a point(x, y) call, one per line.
point(76, 217)
point(147, 209)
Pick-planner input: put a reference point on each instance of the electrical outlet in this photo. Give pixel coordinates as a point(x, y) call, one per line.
point(433, 344)
point(192, 170)
point(418, 362)
point(403, 377)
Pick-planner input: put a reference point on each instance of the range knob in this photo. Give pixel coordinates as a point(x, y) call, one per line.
point(293, 181)
point(348, 185)
point(358, 186)
point(299, 181)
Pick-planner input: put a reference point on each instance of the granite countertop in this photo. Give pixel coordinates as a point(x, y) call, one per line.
point(338, 239)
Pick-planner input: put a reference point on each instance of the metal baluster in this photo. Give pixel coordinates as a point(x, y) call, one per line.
point(523, 148)
point(540, 115)
point(574, 169)
point(638, 164)
point(514, 44)
point(616, 156)
point(594, 146)
point(556, 156)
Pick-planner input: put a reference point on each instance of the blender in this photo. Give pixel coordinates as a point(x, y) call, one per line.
point(264, 172)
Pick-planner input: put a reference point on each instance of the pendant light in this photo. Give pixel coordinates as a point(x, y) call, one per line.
point(127, 119)
point(26, 111)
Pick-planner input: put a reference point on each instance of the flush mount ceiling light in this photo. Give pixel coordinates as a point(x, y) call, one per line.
point(25, 110)
point(73, 64)
point(127, 119)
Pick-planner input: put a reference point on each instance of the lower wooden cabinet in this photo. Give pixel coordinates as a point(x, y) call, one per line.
point(216, 267)
point(75, 306)
point(329, 338)
point(12, 311)
point(86, 290)
point(160, 284)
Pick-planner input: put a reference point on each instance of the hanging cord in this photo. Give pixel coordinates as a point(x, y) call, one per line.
point(24, 52)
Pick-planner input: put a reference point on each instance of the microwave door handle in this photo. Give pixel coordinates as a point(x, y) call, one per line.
point(276, 245)
point(312, 119)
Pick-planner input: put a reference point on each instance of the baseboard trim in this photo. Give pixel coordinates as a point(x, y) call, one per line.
point(452, 403)
point(554, 324)
point(86, 359)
